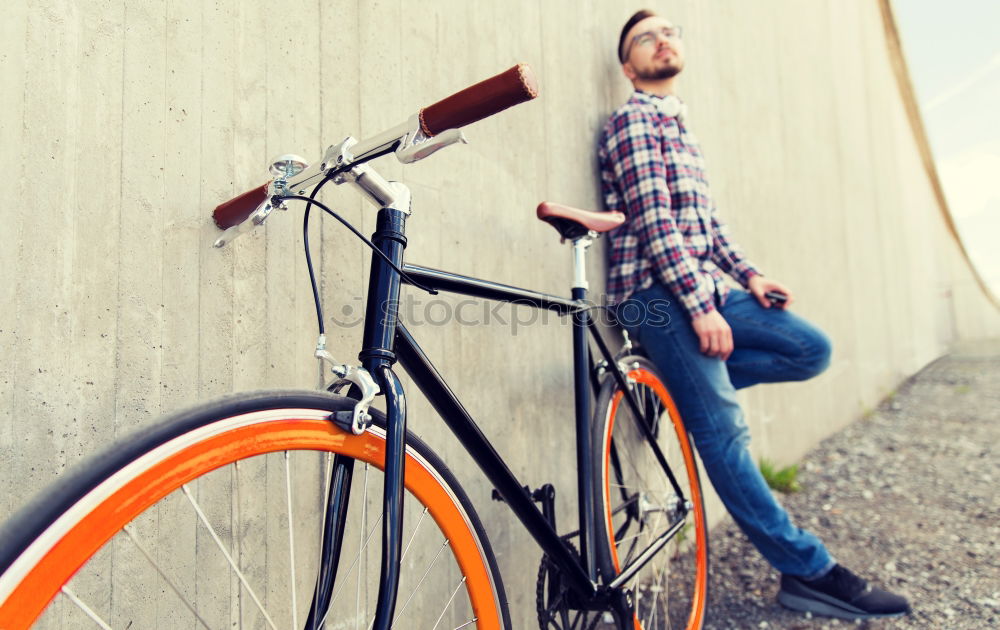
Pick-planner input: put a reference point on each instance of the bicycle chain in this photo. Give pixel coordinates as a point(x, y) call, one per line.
point(556, 614)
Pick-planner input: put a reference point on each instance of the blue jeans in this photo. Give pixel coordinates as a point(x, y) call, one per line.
point(771, 345)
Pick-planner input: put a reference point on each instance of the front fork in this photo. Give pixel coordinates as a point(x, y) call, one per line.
point(392, 523)
point(341, 475)
point(377, 357)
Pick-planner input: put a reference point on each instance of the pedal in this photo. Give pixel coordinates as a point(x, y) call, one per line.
point(546, 495)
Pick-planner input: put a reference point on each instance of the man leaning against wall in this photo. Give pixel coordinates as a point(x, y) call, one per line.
point(674, 247)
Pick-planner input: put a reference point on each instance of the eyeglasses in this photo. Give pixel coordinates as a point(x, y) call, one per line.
point(649, 37)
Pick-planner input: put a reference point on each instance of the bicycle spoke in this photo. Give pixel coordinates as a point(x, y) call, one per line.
point(653, 408)
point(142, 549)
point(655, 527)
point(414, 534)
point(85, 608)
point(652, 611)
point(448, 605)
point(365, 546)
point(350, 570)
point(631, 464)
point(419, 583)
point(658, 584)
point(229, 558)
point(362, 571)
point(291, 540)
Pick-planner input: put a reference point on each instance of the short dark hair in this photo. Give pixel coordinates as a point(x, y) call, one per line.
point(637, 17)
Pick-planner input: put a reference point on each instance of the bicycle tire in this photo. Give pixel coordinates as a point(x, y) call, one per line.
point(146, 477)
point(637, 503)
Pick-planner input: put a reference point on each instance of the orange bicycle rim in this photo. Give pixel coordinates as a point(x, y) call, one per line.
point(58, 564)
point(696, 619)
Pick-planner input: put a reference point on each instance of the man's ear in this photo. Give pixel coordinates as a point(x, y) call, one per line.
point(628, 71)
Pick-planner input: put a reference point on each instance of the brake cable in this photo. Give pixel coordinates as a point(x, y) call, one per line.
point(311, 201)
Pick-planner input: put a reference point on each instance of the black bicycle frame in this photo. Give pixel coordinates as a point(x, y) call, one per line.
point(387, 340)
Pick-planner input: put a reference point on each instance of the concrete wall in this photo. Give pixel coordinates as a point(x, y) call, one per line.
point(122, 126)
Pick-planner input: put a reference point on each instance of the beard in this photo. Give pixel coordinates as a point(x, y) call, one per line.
point(654, 73)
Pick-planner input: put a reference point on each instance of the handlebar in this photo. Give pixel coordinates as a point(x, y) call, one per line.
point(512, 87)
point(236, 210)
point(479, 101)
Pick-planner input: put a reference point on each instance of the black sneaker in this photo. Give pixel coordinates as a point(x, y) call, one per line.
point(842, 594)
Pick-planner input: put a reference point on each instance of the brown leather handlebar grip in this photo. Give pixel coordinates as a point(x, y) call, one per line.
point(478, 101)
point(237, 209)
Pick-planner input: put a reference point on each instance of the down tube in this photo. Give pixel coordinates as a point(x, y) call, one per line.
point(444, 401)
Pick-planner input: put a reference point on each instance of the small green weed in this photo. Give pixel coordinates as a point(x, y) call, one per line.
point(680, 538)
point(783, 480)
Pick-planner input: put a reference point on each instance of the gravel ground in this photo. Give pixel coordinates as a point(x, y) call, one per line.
point(906, 498)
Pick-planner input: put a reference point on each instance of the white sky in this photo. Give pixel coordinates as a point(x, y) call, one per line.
point(953, 53)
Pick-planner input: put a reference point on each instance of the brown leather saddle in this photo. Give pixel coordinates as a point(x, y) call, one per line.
point(573, 223)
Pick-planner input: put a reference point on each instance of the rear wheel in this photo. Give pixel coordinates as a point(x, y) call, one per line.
point(214, 519)
point(639, 506)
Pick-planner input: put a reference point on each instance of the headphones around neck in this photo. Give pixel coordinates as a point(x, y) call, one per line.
point(670, 105)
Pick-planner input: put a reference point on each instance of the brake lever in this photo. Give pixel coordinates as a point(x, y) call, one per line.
point(256, 218)
point(417, 146)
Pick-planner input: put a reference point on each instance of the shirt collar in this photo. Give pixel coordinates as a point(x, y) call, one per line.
point(670, 105)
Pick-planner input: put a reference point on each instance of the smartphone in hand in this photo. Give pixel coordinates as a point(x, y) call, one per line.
point(777, 298)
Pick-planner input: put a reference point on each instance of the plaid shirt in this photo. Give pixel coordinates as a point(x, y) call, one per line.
point(653, 171)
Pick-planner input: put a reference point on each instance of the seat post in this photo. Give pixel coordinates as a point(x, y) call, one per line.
point(582, 395)
point(580, 246)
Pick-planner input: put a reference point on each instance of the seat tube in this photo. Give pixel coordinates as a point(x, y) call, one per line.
point(377, 356)
point(581, 386)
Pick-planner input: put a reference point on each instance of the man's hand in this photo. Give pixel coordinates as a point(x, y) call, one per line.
point(714, 334)
point(759, 285)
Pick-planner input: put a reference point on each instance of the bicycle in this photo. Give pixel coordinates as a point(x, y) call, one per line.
point(642, 557)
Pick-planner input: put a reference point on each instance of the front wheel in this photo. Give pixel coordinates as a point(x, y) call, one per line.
point(213, 519)
point(639, 507)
